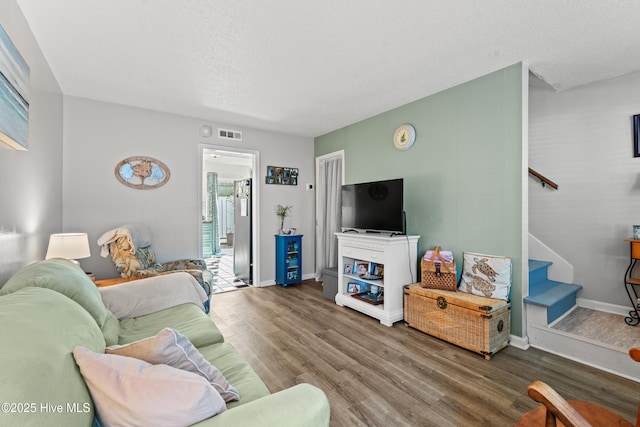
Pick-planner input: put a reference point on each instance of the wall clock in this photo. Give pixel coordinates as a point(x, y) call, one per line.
point(404, 137)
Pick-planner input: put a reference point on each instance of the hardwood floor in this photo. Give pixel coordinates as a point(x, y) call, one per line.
point(380, 376)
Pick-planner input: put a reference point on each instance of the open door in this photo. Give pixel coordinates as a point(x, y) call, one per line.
point(231, 222)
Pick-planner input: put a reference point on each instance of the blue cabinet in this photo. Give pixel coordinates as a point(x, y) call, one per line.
point(288, 259)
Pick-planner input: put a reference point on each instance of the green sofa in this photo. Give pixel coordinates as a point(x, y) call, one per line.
point(50, 307)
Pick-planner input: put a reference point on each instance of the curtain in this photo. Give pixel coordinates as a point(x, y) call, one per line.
point(212, 201)
point(328, 212)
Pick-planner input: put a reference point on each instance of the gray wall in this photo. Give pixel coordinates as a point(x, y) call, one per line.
point(463, 178)
point(98, 135)
point(582, 140)
point(31, 181)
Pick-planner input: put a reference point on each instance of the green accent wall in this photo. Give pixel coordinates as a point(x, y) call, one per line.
point(463, 176)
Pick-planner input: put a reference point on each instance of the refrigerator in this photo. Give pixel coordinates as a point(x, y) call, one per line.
point(242, 248)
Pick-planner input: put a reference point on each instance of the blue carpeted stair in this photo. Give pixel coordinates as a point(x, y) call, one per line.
point(557, 297)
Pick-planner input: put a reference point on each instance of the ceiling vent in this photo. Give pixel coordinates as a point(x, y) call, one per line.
point(236, 135)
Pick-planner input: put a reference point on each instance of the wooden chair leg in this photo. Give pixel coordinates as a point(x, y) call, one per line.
point(550, 419)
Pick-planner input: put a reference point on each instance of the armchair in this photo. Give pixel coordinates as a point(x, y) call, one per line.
point(131, 251)
point(572, 413)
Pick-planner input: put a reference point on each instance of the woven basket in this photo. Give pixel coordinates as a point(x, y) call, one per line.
point(476, 323)
point(436, 274)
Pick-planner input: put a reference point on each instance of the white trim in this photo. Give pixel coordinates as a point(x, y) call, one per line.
point(267, 283)
point(199, 198)
point(339, 153)
point(601, 356)
point(519, 342)
point(273, 282)
point(561, 270)
point(524, 254)
point(622, 310)
point(255, 193)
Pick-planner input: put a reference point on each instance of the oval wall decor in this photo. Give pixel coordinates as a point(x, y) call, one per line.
point(143, 173)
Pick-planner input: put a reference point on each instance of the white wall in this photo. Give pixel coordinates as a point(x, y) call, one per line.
point(582, 140)
point(31, 181)
point(98, 135)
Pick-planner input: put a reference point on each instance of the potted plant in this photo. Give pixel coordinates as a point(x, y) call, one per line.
point(283, 212)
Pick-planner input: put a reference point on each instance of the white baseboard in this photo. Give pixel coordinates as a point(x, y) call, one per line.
point(273, 282)
point(519, 342)
point(604, 306)
point(267, 283)
point(585, 351)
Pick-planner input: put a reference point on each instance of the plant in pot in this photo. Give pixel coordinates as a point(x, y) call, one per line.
point(283, 212)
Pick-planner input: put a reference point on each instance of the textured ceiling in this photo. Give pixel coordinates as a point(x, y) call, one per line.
point(310, 67)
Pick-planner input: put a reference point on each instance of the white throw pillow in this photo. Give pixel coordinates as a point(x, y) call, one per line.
point(170, 347)
point(132, 392)
point(486, 275)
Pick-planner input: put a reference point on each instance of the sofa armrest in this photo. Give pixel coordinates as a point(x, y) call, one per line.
point(303, 405)
point(152, 294)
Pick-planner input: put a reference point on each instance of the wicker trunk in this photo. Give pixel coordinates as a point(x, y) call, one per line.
point(476, 323)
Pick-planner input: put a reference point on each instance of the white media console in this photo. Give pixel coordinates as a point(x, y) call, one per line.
point(394, 258)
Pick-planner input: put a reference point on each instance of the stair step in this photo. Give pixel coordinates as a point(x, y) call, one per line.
point(603, 356)
point(548, 292)
point(538, 271)
point(557, 297)
point(535, 264)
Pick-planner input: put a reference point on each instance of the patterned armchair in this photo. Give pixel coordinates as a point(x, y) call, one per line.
point(130, 248)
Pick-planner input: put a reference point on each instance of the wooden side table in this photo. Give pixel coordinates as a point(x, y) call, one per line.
point(117, 280)
point(630, 282)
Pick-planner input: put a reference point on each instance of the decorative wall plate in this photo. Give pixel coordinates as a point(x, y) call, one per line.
point(143, 173)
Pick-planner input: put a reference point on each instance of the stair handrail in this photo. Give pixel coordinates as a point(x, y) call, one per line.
point(543, 179)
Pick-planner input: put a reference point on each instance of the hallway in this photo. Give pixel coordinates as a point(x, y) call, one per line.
point(222, 267)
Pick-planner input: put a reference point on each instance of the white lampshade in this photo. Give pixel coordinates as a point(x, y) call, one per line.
point(71, 246)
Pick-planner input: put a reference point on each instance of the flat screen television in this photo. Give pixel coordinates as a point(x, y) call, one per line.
point(373, 206)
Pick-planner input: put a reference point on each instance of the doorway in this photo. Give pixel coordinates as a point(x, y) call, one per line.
point(228, 228)
point(329, 181)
